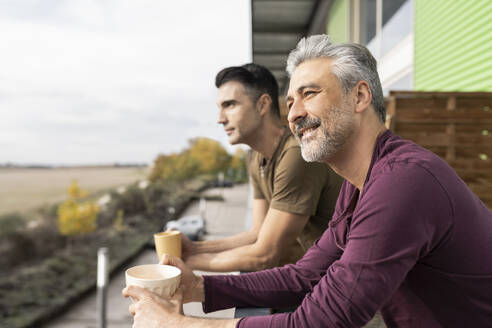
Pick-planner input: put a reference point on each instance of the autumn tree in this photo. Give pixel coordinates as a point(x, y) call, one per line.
point(173, 167)
point(209, 154)
point(202, 156)
point(238, 164)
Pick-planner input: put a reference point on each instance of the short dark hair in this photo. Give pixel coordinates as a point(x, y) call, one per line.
point(255, 78)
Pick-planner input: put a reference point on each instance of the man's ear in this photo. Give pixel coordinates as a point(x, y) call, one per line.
point(264, 104)
point(363, 96)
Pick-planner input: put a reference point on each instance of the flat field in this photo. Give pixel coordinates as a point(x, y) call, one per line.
point(25, 189)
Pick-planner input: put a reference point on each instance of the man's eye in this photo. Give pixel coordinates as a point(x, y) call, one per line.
point(308, 93)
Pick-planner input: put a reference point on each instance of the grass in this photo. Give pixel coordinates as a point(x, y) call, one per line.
point(25, 189)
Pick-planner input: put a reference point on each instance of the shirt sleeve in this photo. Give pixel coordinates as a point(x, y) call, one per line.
point(399, 219)
point(297, 183)
point(257, 193)
point(278, 287)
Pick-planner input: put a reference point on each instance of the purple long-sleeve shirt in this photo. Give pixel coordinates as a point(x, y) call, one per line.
point(415, 245)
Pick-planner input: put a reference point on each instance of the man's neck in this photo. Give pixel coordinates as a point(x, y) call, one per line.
point(267, 138)
point(353, 160)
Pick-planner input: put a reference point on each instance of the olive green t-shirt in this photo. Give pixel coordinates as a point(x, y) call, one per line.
point(290, 184)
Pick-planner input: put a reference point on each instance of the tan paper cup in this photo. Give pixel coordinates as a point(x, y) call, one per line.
point(168, 242)
point(160, 279)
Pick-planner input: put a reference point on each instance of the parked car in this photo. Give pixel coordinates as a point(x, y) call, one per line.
point(222, 184)
point(192, 226)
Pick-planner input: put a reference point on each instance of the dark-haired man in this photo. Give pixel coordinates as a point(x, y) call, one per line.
point(293, 199)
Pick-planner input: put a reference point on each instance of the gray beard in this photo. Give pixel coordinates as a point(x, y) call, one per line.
point(322, 148)
point(317, 150)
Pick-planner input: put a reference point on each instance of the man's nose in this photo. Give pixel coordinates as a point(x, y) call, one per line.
point(296, 111)
point(221, 118)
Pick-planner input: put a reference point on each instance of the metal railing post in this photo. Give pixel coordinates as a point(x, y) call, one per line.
point(102, 284)
point(203, 207)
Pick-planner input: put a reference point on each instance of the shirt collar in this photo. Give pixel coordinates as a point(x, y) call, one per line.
point(376, 154)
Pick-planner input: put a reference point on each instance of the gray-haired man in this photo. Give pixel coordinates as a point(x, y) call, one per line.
point(408, 238)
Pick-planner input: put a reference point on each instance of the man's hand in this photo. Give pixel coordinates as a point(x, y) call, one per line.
point(188, 247)
point(192, 284)
point(153, 311)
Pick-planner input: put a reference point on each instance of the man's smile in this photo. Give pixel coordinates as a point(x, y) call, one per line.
point(306, 132)
point(229, 131)
point(306, 127)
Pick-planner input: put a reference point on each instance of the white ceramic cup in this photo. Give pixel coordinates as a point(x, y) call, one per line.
point(160, 279)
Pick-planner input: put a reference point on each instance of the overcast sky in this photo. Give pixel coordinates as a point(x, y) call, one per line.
point(104, 81)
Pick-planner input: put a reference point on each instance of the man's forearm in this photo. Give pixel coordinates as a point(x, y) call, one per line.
point(215, 246)
point(192, 322)
point(260, 210)
point(245, 258)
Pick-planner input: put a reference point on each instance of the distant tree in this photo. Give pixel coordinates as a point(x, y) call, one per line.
point(238, 164)
point(76, 217)
point(209, 154)
point(203, 156)
point(173, 167)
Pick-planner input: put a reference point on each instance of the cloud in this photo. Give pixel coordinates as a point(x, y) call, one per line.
point(113, 81)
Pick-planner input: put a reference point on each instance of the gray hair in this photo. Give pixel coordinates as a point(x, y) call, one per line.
point(352, 63)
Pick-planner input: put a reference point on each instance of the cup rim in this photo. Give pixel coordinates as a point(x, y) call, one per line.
point(176, 272)
point(167, 233)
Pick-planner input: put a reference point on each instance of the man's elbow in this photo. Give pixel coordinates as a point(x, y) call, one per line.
point(266, 259)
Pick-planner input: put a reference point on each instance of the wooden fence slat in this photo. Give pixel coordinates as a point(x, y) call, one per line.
point(425, 139)
point(455, 125)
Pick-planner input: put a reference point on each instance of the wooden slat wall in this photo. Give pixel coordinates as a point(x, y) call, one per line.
point(455, 125)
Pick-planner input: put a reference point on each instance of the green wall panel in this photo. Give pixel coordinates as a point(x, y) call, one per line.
point(453, 45)
point(337, 27)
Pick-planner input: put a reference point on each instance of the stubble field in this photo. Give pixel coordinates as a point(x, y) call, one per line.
point(25, 189)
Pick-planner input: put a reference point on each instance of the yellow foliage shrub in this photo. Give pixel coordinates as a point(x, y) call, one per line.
point(76, 217)
point(75, 192)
